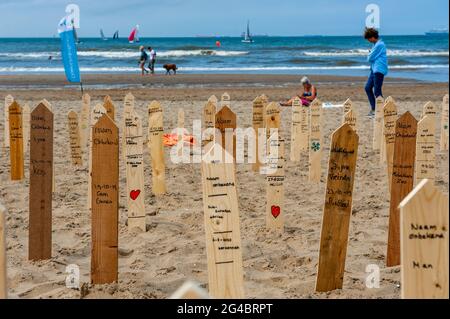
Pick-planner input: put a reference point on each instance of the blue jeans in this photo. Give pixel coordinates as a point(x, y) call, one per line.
point(373, 87)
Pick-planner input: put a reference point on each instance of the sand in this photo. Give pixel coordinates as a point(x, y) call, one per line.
point(154, 264)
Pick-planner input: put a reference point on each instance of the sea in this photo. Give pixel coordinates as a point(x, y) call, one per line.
point(420, 57)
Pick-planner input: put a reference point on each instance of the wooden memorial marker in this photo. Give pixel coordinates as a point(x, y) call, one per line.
point(257, 124)
point(337, 209)
point(304, 129)
point(296, 129)
point(8, 101)
point(3, 263)
point(425, 167)
point(128, 110)
point(377, 124)
point(16, 142)
point(110, 108)
point(265, 102)
point(424, 243)
point(350, 119)
point(272, 119)
point(390, 117)
point(223, 238)
point(226, 119)
point(225, 100)
point(209, 120)
point(41, 184)
point(84, 123)
point(315, 141)
point(190, 290)
point(275, 185)
point(26, 118)
point(135, 172)
point(49, 106)
point(213, 99)
point(444, 125)
point(347, 106)
point(402, 180)
point(429, 109)
point(155, 137)
point(74, 138)
point(105, 201)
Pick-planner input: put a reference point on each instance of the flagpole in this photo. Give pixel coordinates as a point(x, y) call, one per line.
point(81, 86)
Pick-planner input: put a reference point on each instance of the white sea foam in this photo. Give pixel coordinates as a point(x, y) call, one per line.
point(365, 52)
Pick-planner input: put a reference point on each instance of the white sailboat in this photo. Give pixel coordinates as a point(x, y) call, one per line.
point(103, 35)
point(247, 36)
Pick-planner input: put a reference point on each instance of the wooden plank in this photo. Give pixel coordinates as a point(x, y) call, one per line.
point(402, 180)
point(275, 185)
point(425, 167)
point(85, 115)
point(257, 124)
point(347, 106)
point(424, 243)
point(105, 201)
point(315, 141)
point(390, 118)
point(135, 172)
point(377, 124)
point(155, 136)
point(110, 108)
point(26, 118)
point(226, 121)
point(213, 99)
point(273, 119)
point(223, 238)
point(225, 100)
point(41, 184)
point(8, 101)
point(444, 125)
point(190, 290)
point(128, 110)
point(49, 106)
point(337, 209)
point(16, 142)
point(209, 120)
point(351, 119)
point(429, 109)
point(76, 154)
point(3, 262)
point(296, 125)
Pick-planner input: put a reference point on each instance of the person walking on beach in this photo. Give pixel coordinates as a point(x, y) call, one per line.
point(143, 60)
point(151, 64)
point(308, 95)
point(378, 67)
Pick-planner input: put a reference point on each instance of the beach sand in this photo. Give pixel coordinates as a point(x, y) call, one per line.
point(154, 264)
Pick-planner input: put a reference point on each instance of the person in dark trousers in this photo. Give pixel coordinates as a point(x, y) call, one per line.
point(151, 63)
point(378, 67)
point(142, 60)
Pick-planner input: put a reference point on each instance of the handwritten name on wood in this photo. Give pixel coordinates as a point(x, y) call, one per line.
point(16, 142)
point(128, 109)
point(275, 185)
point(296, 131)
point(337, 209)
point(155, 137)
point(444, 125)
point(209, 120)
point(84, 122)
point(377, 124)
point(41, 184)
point(273, 120)
point(350, 119)
point(347, 106)
point(429, 109)
point(424, 243)
point(315, 141)
point(226, 122)
point(74, 139)
point(425, 167)
point(110, 108)
point(105, 201)
point(390, 118)
point(8, 101)
point(26, 118)
point(3, 263)
point(257, 123)
point(402, 180)
point(223, 238)
point(135, 172)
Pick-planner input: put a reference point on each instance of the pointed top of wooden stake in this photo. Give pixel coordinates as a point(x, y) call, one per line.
point(72, 114)
point(47, 104)
point(407, 117)
point(297, 102)
point(425, 186)
point(86, 98)
point(316, 103)
point(155, 105)
point(226, 97)
point(390, 99)
point(213, 99)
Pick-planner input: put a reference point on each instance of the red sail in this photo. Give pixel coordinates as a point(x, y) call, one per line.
point(132, 35)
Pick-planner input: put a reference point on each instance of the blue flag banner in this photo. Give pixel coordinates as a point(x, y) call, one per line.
point(69, 50)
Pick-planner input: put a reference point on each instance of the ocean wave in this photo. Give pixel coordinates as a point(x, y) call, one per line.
point(365, 52)
point(183, 53)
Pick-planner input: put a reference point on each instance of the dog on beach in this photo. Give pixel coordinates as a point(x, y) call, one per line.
point(170, 67)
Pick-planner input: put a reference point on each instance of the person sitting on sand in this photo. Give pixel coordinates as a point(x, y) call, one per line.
point(309, 93)
point(143, 60)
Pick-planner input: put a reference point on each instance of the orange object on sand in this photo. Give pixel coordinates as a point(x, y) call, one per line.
point(172, 139)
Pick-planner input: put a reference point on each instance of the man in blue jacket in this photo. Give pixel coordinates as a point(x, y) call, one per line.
point(378, 67)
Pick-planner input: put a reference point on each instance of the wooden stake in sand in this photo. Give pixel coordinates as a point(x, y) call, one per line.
point(155, 143)
point(128, 110)
point(26, 118)
point(8, 101)
point(209, 120)
point(273, 120)
point(105, 201)
point(190, 290)
point(296, 129)
point(444, 125)
point(337, 209)
point(265, 102)
point(3, 264)
point(347, 106)
point(213, 99)
point(135, 172)
point(315, 141)
point(350, 119)
point(257, 124)
point(226, 121)
point(377, 124)
point(110, 108)
point(425, 149)
point(74, 138)
point(16, 142)
point(429, 109)
point(275, 185)
point(225, 100)
point(223, 238)
point(84, 122)
point(41, 184)
point(402, 180)
point(424, 243)
point(390, 117)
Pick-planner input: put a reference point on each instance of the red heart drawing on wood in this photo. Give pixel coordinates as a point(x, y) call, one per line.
point(134, 194)
point(276, 211)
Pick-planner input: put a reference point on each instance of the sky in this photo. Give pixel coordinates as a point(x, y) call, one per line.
point(161, 18)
